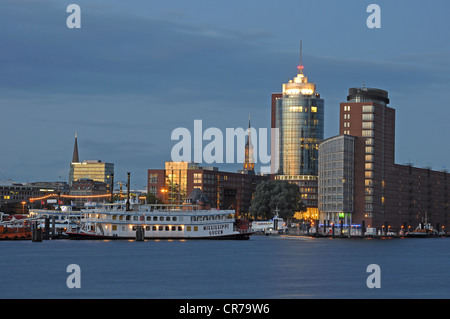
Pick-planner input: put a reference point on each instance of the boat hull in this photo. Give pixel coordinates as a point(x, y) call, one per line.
point(88, 236)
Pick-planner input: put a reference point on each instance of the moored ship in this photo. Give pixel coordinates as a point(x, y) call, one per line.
point(118, 221)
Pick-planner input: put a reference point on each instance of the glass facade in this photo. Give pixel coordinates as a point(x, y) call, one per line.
point(95, 170)
point(176, 181)
point(301, 122)
point(299, 116)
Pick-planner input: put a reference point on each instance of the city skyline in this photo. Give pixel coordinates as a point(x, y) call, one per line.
point(126, 79)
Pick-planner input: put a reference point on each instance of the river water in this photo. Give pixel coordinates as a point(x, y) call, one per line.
point(260, 268)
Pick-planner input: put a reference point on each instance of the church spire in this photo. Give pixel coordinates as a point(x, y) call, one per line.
point(75, 157)
point(249, 163)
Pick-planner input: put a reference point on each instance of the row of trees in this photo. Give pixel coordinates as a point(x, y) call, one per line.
point(276, 195)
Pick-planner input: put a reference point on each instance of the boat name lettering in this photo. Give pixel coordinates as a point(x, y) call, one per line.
point(216, 227)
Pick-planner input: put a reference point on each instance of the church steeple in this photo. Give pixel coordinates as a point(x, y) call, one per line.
point(75, 157)
point(249, 163)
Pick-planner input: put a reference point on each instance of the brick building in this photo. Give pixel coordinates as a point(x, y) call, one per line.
point(386, 194)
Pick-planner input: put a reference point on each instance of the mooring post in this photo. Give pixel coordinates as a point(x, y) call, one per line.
point(47, 228)
point(53, 227)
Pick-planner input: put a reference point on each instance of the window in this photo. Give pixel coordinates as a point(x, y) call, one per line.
point(369, 158)
point(160, 228)
point(195, 228)
point(367, 124)
point(153, 178)
point(154, 228)
point(114, 227)
point(180, 228)
point(161, 218)
point(369, 141)
point(174, 228)
point(153, 190)
point(167, 228)
point(346, 107)
point(369, 174)
point(369, 166)
point(369, 149)
point(197, 178)
point(367, 117)
point(314, 109)
point(168, 219)
point(188, 228)
point(367, 133)
point(367, 109)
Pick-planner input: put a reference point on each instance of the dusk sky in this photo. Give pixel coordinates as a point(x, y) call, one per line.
point(137, 70)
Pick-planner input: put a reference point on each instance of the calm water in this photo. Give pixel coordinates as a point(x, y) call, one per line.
point(262, 267)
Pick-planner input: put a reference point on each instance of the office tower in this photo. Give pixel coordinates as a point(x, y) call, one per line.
point(386, 195)
point(298, 113)
point(366, 115)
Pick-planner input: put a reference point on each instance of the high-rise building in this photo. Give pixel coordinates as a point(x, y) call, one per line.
point(386, 195)
point(95, 170)
point(298, 113)
point(366, 115)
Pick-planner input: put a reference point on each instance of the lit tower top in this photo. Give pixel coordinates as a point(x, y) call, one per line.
point(299, 84)
point(249, 163)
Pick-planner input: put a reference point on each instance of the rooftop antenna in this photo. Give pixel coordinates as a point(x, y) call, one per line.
point(300, 66)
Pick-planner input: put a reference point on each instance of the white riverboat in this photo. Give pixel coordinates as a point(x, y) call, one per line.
point(115, 221)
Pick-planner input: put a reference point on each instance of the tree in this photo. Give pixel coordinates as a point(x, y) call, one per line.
point(274, 194)
point(152, 199)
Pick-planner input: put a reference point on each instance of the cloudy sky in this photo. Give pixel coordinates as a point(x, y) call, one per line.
point(136, 70)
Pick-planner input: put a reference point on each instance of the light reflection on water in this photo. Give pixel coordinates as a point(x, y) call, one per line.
point(262, 267)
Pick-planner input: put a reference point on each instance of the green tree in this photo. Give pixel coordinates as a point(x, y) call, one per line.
point(152, 199)
point(275, 194)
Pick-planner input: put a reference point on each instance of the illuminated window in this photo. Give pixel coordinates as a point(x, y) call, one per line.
point(369, 158)
point(314, 109)
point(195, 228)
point(369, 141)
point(188, 228)
point(367, 108)
point(296, 109)
point(367, 117)
point(368, 174)
point(369, 149)
point(197, 178)
point(367, 133)
point(367, 124)
point(369, 166)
